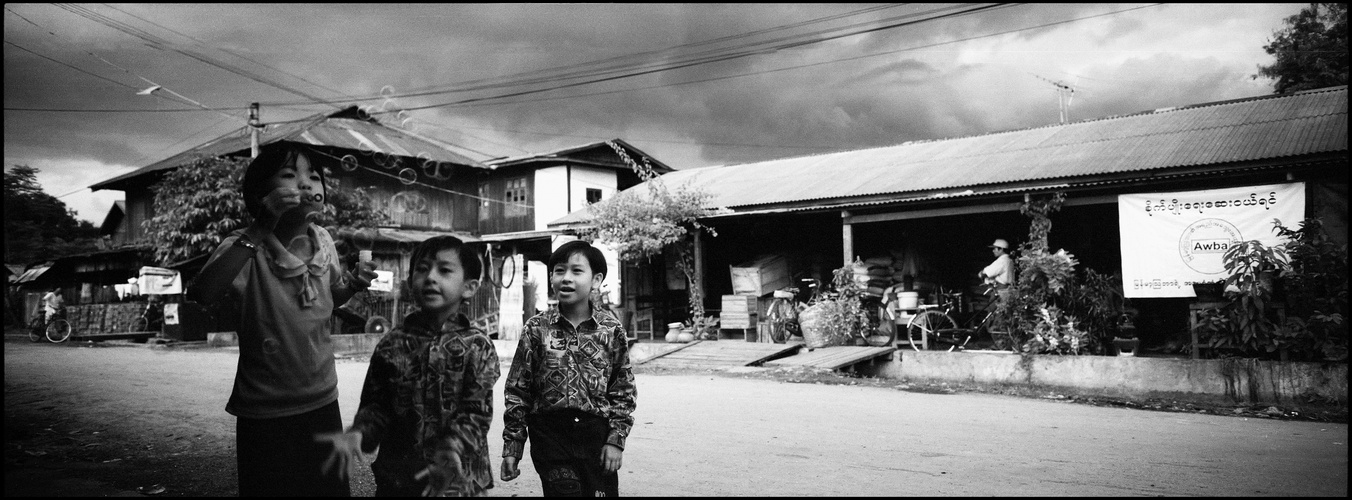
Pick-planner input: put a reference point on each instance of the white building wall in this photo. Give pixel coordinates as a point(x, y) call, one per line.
point(556, 186)
point(551, 195)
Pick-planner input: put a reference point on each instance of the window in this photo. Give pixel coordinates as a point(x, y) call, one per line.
point(593, 195)
point(515, 198)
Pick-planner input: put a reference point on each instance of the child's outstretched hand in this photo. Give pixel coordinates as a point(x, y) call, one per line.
point(346, 452)
point(611, 457)
point(509, 469)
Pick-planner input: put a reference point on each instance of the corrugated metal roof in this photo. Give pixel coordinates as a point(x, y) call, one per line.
point(516, 160)
point(344, 129)
point(1258, 128)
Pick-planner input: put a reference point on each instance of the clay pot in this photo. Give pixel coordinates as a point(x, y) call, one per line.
point(671, 335)
point(685, 336)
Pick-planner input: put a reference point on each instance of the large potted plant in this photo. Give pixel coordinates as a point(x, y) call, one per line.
point(836, 317)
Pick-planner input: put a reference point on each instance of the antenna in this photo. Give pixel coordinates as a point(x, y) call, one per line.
point(1064, 94)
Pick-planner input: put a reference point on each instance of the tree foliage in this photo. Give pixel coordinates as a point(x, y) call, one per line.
point(197, 205)
point(1311, 51)
point(639, 226)
point(38, 226)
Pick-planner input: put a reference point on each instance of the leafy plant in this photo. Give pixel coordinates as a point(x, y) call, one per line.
point(1311, 270)
point(1316, 292)
point(840, 314)
point(1054, 308)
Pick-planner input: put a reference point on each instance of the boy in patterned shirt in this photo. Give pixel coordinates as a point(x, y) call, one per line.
point(428, 398)
point(570, 389)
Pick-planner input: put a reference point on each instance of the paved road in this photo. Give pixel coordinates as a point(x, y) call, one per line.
point(706, 434)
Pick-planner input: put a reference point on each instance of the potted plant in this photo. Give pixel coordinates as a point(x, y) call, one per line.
point(837, 317)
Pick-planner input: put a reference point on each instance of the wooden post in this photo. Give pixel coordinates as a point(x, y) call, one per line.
point(847, 237)
point(699, 263)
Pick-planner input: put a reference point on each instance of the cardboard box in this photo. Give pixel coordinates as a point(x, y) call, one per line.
point(761, 276)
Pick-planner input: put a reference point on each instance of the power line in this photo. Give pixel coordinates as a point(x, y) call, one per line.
point(597, 66)
point(160, 43)
point(685, 64)
point(200, 43)
point(801, 66)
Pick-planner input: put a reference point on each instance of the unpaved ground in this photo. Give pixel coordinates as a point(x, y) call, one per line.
point(119, 420)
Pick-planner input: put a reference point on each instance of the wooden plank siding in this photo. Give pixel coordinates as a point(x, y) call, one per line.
point(429, 204)
point(509, 203)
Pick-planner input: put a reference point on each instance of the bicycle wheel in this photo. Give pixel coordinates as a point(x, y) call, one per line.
point(58, 331)
point(140, 325)
point(36, 330)
point(926, 324)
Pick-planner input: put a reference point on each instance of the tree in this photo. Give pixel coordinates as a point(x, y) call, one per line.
point(1311, 51)
point(38, 226)
point(639, 227)
point(199, 204)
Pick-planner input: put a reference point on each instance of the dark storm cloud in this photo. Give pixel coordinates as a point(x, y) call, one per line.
point(870, 90)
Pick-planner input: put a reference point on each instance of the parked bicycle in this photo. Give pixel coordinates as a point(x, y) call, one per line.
point(56, 331)
point(782, 313)
point(938, 324)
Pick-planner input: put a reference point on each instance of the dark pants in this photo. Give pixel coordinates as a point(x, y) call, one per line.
point(279, 456)
point(566, 449)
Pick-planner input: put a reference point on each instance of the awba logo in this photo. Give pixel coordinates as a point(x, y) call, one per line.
point(1203, 244)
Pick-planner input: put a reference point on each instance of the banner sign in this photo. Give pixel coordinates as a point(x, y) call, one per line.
point(1172, 240)
point(160, 281)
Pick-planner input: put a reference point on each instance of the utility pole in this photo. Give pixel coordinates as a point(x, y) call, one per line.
point(253, 130)
point(1064, 94)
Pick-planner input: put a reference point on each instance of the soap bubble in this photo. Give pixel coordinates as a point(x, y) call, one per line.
point(349, 163)
point(408, 176)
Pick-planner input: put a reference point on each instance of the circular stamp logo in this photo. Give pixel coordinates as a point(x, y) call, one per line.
point(1203, 244)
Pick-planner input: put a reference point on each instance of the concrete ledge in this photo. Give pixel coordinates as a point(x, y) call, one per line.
point(1227, 380)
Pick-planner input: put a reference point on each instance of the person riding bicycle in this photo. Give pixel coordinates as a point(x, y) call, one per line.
point(52, 303)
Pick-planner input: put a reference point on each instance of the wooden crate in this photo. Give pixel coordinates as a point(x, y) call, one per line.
point(738, 312)
point(761, 276)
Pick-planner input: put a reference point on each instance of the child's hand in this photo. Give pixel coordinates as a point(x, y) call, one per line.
point(346, 452)
point(611, 457)
point(364, 274)
point(440, 476)
point(280, 200)
point(509, 469)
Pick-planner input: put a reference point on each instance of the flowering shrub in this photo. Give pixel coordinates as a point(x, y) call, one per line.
point(1056, 333)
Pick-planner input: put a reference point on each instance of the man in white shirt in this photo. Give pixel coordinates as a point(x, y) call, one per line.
point(1000, 272)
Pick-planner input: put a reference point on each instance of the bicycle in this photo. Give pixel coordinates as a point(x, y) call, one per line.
point(782, 313)
point(936, 322)
point(57, 331)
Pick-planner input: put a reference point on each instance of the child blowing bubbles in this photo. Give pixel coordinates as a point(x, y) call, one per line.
point(428, 398)
point(570, 390)
point(276, 283)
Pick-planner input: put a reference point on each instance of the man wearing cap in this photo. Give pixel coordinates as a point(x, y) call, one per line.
point(1000, 272)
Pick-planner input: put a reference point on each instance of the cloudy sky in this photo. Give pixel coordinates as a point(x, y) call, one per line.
point(693, 85)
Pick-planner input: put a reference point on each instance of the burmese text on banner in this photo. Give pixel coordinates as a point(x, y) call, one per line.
point(1172, 240)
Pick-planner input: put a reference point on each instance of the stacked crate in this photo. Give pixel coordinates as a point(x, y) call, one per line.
point(85, 319)
point(119, 317)
point(738, 312)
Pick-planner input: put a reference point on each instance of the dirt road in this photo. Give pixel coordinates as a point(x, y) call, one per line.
point(105, 421)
